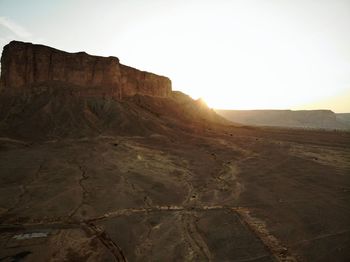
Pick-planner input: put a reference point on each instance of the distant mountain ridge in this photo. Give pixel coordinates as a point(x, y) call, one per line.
point(344, 118)
point(315, 119)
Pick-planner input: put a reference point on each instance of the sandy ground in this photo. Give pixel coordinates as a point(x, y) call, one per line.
point(241, 194)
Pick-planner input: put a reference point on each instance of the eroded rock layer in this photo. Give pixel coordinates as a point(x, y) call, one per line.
point(25, 65)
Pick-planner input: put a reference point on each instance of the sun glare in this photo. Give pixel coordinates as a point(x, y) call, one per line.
point(243, 56)
point(234, 54)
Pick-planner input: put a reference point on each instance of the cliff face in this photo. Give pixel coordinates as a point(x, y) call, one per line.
point(24, 65)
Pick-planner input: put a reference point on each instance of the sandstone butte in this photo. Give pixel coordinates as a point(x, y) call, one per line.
point(27, 65)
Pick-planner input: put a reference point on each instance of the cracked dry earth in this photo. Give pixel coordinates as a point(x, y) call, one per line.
point(248, 195)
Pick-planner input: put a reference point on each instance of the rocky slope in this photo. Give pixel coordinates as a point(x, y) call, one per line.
point(320, 119)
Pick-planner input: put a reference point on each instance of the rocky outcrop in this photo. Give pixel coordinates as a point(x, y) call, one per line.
point(25, 65)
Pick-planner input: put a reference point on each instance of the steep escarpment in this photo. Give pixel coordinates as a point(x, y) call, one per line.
point(47, 93)
point(26, 65)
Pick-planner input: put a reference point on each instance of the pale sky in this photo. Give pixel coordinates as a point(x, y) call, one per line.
point(276, 54)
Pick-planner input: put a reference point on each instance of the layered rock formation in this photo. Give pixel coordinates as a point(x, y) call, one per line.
point(25, 65)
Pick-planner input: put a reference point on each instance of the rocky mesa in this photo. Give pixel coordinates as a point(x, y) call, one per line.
point(26, 65)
